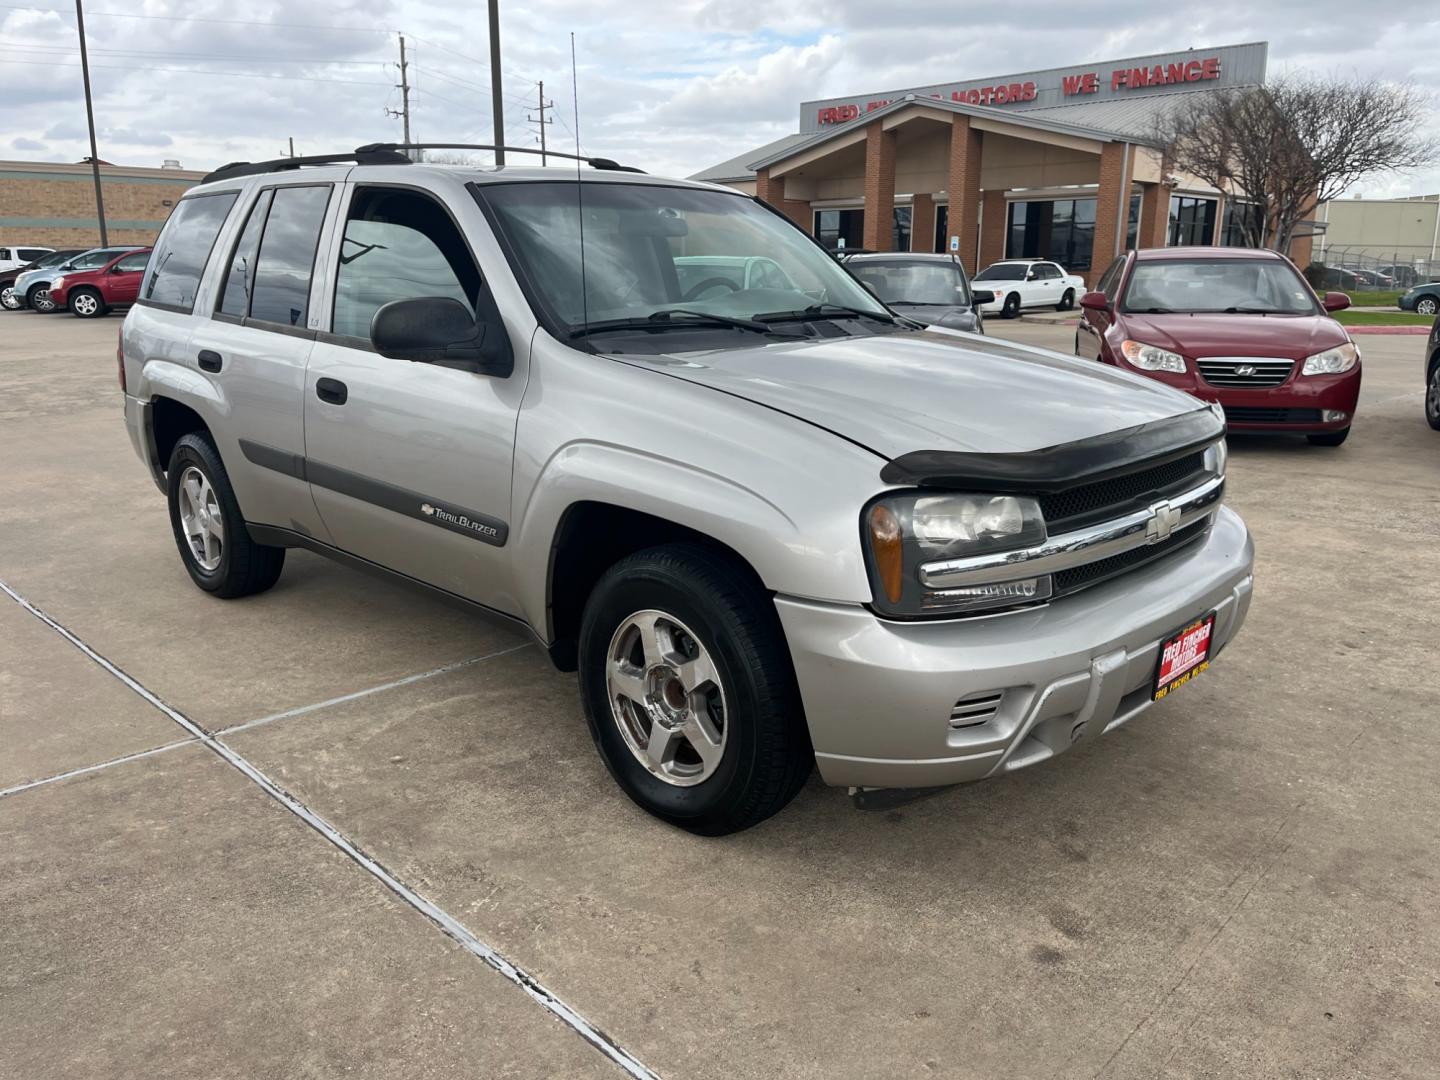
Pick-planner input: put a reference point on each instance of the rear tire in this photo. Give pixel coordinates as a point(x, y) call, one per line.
point(38, 299)
point(1067, 301)
point(681, 639)
point(86, 304)
point(1432, 396)
point(209, 529)
point(1011, 308)
point(1329, 438)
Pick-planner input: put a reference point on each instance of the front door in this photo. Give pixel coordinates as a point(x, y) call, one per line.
point(410, 463)
point(124, 278)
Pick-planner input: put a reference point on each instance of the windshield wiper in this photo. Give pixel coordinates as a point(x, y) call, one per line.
point(664, 319)
point(1251, 311)
point(1150, 311)
point(821, 311)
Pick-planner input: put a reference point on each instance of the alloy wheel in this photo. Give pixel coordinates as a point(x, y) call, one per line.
point(41, 301)
point(8, 299)
point(666, 697)
point(200, 519)
point(85, 304)
point(1428, 305)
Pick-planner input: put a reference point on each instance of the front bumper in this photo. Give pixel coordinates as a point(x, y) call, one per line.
point(879, 695)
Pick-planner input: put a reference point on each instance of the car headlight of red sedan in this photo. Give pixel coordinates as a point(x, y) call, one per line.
point(1151, 357)
point(57, 283)
point(1332, 361)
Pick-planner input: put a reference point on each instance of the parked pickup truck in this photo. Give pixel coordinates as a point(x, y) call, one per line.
point(1020, 283)
point(772, 526)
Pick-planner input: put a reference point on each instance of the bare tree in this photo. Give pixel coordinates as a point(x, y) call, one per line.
point(1293, 143)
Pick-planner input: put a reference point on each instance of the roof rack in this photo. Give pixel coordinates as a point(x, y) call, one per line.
point(594, 162)
point(365, 155)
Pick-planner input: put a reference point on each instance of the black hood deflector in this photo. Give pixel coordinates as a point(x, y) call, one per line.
point(1054, 468)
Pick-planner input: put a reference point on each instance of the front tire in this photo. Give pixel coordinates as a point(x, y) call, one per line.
point(38, 298)
point(8, 300)
point(1011, 307)
point(1432, 397)
point(1329, 438)
point(86, 304)
point(1427, 305)
point(689, 692)
point(209, 529)
point(1067, 301)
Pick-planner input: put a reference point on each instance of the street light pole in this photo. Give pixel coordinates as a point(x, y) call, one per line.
point(90, 118)
point(496, 108)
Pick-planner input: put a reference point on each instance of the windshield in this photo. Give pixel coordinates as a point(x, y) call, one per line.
point(930, 282)
point(652, 249)
point(1004, 271)
point(1239, 286)
point(55, 258)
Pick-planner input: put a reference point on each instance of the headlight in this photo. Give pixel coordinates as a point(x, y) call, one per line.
point(1215, 457)
point(1152, 357)
point(59, 281)
point(904, 532)
point(1332, 361)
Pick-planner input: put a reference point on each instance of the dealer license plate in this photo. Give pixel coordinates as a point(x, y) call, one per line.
point(1183, 656)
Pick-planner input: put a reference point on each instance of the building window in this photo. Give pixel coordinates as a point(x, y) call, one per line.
point(900, 230)
point(942, 228)
point(1062, 230)
point(834, 226)
point(1132, 223)
point(1192, 221)
point(1243, 224)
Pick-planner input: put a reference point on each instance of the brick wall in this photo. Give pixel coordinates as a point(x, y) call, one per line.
point(879, 187)
point(772, 191)
point(922, 222)
point(54, 205)
point(963, 185)
point(1111, 209)
point(1154, 215)
point(992, 230)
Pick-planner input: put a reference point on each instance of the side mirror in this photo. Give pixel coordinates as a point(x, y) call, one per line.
point(1095, 301)
point(982, 296)
point(440, 330)
point(1336, 301)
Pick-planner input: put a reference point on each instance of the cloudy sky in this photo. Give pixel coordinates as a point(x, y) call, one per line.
point(672, 86)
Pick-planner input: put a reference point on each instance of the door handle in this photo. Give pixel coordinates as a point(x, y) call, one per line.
point(332, 390)
point(210, 360)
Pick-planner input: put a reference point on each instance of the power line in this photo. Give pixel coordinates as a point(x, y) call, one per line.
point(201, 71)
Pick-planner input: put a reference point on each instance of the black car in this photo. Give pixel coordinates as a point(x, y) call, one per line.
point(8, 300)
point(1424, 299)
point(930, 289)
point(1432, 377)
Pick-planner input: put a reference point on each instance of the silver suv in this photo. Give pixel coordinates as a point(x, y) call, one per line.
point(771, 523)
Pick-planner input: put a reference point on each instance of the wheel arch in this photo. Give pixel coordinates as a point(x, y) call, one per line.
point(171, 420)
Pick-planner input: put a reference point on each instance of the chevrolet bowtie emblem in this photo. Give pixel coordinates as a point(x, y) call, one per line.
point(1163, 519)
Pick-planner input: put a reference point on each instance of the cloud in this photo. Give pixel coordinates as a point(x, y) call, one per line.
point(33, 145)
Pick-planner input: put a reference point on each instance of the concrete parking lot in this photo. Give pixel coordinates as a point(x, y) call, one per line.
point(1241, 883)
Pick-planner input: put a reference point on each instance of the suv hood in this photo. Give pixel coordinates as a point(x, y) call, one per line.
point(930, 390)
point(1289, 337)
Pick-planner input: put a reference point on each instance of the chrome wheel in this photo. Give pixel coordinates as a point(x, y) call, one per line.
point(200, 519)
point(1427, 305)
point(8, 299)
point(85, 304)
point(666, 697)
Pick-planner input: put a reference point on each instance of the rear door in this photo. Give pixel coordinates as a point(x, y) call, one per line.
point(410, 463)
point(122, 284)
point(255, 345)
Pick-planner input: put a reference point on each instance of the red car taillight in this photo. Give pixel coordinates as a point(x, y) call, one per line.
point(120, 355)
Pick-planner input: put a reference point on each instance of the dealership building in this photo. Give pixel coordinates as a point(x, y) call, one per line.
point(1053, 164)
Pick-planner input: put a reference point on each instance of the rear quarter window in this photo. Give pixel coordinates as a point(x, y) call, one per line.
point(178, 261)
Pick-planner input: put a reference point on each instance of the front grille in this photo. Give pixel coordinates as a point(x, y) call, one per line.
point(1244, 414)
point(1244, 372)
point(1082, 577)
point(1115, 497)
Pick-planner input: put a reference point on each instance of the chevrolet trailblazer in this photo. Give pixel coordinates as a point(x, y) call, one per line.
point(771, 523)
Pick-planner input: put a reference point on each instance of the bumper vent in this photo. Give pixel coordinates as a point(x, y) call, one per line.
point(1243, 372)
point(1237, 414)
point(976, 709)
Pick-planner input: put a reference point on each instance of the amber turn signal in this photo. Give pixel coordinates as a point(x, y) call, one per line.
point(889, 550)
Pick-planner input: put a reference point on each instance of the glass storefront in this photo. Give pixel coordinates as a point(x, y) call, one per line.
point(942, 228)
point(1192, 221)
point(1132, 222)
point(832, 226)
point(900, 229)
point(1062, 230)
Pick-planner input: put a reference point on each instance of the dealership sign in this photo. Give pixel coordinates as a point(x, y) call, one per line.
point(1232, 65)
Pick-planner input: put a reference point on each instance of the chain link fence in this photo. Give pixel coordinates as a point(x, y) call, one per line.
point(1364, 270)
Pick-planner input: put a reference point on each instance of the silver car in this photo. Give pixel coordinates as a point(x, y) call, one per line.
point(773, 526)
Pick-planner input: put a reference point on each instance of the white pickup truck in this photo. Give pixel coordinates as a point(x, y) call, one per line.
point(1028, 283)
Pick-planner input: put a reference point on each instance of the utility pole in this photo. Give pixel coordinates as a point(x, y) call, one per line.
point(90, 118)
point(292, 145)
point(404, 87)
point(497, 110)
point(541, 119)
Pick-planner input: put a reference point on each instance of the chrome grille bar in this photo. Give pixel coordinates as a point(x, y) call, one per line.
point(1242, 372)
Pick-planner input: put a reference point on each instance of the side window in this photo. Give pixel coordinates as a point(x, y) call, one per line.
point(184, 248)
point(281, 289)
point(240, 274)
point(31, 254)
point(1111, 279)
point(131, 263)
point(4, 253)
point(398, 245)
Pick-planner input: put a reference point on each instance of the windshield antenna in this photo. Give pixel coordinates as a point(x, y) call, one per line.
point(579, 185)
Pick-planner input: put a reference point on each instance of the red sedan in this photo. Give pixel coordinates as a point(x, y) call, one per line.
point(91, 293)
point(1232, 325)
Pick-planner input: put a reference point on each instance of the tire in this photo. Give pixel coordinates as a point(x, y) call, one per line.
point(38, 299)
point(240, 567)
point(1427, 305)
point(1011, 307)
point(1432, 397)
point(702, 603)
point(86, 304)
point(1067, 301)
point(8, 300)
point(1329, 438)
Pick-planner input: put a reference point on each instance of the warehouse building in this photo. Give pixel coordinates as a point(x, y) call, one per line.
point(1051, 164)
point(50, 205)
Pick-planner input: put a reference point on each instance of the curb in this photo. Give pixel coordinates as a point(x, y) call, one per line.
point(1414, 331)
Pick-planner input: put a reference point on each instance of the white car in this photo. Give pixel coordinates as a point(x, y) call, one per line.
point(1028, 283)
point(12, 258)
